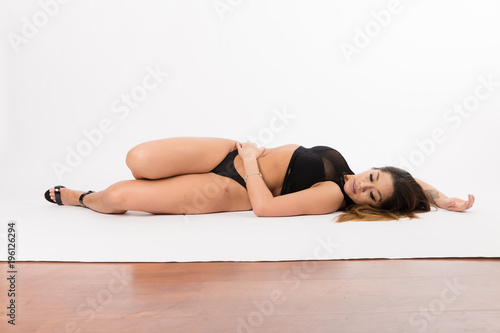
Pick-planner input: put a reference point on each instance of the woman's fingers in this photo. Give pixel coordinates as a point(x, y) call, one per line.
point(470, 202)
point(466, 204)
point(242, 144)
point(248, 144)
point(249, 149)
point(460, 205)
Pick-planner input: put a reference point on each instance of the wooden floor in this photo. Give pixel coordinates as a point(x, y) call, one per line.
point(436, 295)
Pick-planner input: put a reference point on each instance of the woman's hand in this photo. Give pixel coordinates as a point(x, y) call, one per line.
point(457, 205)
point(249, 150)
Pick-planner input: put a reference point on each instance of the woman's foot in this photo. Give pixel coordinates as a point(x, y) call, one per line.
point(68, 197)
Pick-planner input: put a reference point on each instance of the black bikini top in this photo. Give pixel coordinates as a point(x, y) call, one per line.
point(309, 166)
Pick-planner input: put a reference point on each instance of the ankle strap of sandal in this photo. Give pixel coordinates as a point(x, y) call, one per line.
point(81, 198)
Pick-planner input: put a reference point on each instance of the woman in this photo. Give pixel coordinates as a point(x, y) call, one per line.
point(207, 175)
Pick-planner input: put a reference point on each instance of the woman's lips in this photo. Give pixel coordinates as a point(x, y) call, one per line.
point(353, 187)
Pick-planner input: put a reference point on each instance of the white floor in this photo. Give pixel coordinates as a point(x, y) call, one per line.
point(47, 232)
point(70, 110)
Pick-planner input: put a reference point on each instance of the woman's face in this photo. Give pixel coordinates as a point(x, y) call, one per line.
point(371, 187)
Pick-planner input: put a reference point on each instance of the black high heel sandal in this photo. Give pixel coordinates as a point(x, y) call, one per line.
point(57, 193)
point(81, 198)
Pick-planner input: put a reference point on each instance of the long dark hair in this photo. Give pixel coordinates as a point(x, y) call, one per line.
point(407, 199)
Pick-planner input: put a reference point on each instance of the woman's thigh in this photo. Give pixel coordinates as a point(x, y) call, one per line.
point(177, 156)
point(184, 194)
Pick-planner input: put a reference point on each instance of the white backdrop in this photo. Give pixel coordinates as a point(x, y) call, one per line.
point(381, 81)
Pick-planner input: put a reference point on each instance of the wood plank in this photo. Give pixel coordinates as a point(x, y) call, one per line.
point(419, 295)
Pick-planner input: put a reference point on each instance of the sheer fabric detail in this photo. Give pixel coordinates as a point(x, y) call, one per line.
point(309, 166)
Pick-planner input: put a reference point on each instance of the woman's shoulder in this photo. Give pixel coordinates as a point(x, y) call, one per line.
point(336, 193)
point(331, 185)
point(332, 191)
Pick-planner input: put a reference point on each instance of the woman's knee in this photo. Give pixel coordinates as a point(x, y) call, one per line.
point(116, 195)
point(136, 161)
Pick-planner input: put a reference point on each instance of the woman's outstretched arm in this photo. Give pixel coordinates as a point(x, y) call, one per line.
point(442, 201)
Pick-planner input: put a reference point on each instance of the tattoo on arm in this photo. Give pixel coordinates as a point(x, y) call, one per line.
point(431, 195)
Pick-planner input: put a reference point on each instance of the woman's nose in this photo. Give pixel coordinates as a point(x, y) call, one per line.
point(363, 186)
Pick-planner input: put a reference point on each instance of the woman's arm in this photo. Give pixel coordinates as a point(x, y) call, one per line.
point(437, 198)
point(323, 198)
point(259, 193)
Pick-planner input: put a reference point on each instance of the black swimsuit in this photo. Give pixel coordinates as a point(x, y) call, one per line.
point(226, 168)
point(307, 167)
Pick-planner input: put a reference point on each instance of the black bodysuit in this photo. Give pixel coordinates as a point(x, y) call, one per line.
point(307, 167)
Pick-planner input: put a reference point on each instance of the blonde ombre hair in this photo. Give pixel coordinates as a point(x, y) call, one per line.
point(407, 199)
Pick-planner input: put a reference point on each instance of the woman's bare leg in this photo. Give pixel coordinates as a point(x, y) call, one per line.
point(97, 200)
point(184, 194)
point(177, 156)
